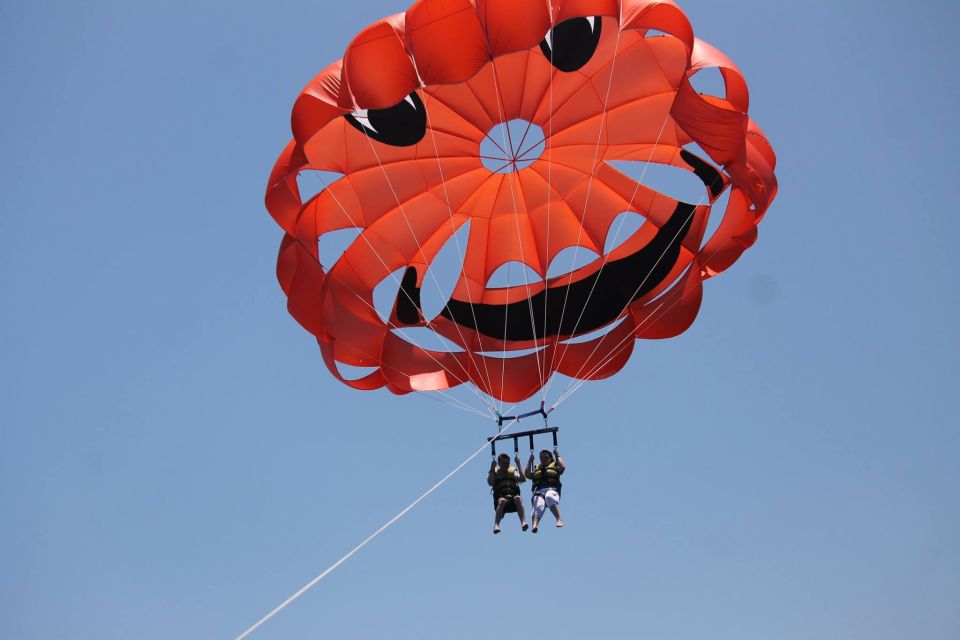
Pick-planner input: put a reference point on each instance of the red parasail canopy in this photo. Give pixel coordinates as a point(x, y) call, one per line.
point(404, 117)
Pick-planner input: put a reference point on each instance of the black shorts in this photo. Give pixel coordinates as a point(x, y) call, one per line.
point(510, 507)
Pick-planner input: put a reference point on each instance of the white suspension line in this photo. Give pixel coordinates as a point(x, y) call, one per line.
point(461, 253)
point(395, 279)
point(516, 218)
point(577, 384)
point(513, 158)
point(573, 388)
point(606, 255)
point(460, 403)
point(649, 272)
point(283, 605)
point(426, 351)
point(400, 330)
point(604, 361)
point(596, 152)
point(548, 147)
point(412, 235)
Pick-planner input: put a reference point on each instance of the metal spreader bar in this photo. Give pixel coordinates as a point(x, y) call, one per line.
point(541, 411)
point(520, 434)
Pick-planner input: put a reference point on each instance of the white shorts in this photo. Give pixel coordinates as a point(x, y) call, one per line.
point(543, 499)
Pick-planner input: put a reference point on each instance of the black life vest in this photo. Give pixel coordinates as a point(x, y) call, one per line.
point(505, 482)
point(546, 478)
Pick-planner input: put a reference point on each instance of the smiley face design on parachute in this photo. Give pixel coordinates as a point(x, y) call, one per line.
point(506, 119)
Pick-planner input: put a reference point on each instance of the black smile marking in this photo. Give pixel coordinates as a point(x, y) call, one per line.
point(408, 299)
point(591, 303)
point(705, 171)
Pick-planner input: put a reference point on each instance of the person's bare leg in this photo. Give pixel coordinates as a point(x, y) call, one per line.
point(556, 514)
point(501, 505)
point(535, 520)
point(523, 519)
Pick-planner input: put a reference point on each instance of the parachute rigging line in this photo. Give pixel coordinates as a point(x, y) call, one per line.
point(324, 185)
point(576, 383)
point(283, 605)
point(553, 74)
point(460, 252)
point(606, 254)
point(452, 401)
point(413, 235)
point(586, 200)
point(505, 132)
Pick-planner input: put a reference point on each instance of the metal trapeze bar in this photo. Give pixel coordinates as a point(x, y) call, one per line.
point(541, 412)
point(522, 434)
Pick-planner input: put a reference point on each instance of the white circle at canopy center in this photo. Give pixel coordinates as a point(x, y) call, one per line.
point(511, 146)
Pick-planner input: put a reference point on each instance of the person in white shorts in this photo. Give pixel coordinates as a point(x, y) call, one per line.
point(546, 486)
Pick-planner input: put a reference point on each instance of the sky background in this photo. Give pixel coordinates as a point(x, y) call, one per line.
point(175, 460)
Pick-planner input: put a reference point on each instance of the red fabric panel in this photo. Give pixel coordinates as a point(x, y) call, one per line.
point(410, 368)
point(283, 195)
point(661, 15)
point(301, 276)
point(377, 68)
point(369, 382)
point(566, 9)
point(514, 381)
point(598, 358)
point(513, 25)
point(673, 313)
point(317, 104)
point(706, 56)
point(446, 39)
point(718, 128)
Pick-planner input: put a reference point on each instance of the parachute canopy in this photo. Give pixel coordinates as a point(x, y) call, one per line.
point(508, 122)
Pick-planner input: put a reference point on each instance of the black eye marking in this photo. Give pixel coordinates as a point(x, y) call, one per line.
point(402, 125)
point(571, 44)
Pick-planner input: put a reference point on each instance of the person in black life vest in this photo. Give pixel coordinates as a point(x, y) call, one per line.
point(546, 486)
point(506, 481)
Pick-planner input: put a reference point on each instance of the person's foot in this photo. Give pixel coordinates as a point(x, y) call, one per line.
point(496, 528)
point(559, 523)
point(534, 530)
point(524, 526)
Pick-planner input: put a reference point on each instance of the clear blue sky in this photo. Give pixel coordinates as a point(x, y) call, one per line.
point(175, 460)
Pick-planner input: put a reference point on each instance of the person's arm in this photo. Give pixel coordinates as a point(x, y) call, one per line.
point(522, 477)
point(560, 465)
point(491, 476)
